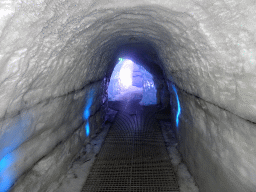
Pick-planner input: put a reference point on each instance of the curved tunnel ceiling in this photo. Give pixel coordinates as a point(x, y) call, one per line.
point(141, 53)
point(189, 40)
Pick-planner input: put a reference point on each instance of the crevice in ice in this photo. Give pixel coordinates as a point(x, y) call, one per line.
point(223, 109)
point(45, 101)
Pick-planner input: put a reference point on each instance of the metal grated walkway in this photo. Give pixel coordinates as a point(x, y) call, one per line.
point(134, 156)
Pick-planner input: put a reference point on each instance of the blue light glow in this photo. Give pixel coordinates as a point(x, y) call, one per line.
point(178, 102)
point(88, 105)
point(6, 176)
point(87, 129)
point(17, 132)
point(4, 163)
point(87, 112)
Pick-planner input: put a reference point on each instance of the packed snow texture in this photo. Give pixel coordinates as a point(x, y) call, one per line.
point(52, 52)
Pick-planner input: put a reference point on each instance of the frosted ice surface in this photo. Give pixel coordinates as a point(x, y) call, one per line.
point(49, 49)
point(48, 36)
point(149, 90)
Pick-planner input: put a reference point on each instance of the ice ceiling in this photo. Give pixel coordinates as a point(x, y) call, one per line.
point(52, 48)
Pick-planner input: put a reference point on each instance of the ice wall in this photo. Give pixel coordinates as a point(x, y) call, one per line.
point(149, 91)
point(113, 86)
point(53, 51)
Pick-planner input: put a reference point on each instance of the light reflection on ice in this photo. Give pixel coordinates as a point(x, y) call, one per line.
point(87, 129)
point(87, 112)
point(6, 175)
point(17, 132)
point(178, 103)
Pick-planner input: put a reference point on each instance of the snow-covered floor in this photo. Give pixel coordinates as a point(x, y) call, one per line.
point(76, 176)
point(78, 173)
point(186, 181)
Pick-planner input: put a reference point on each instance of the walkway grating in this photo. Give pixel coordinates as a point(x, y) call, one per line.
point(134, 156)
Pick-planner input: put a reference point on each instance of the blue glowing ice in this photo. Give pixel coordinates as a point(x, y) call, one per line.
point(87, 112)
point(17, 132)
point(5, 162)
point(87, 129)
point(88, 105)
point(178, 102)
point(6, 176)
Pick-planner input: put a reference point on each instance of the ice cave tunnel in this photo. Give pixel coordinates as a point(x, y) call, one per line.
point(57, 57)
